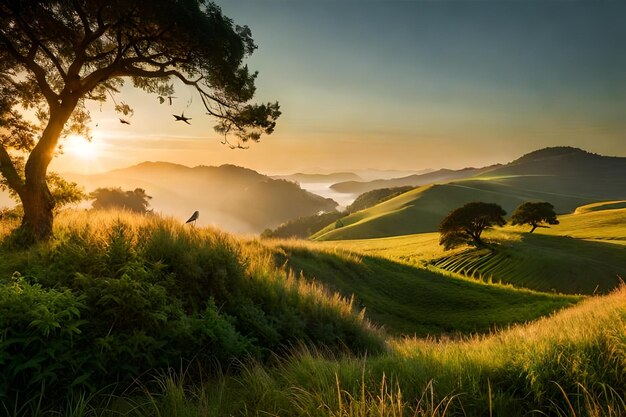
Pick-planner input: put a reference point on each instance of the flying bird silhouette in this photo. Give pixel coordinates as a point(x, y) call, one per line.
point(170, 99)
point(123, 121)
point(193, 217)
point(182, 118)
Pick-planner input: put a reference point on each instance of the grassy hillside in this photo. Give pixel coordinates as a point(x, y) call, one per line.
point(566, 177)
point(411, 300)
point(114, 296)
point(567, 365)
point(422, 209)
point(584, 253)
point(603, 205)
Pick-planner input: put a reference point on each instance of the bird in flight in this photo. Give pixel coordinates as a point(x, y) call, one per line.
point(182, 118)
point(124, 121)
point(193, 217)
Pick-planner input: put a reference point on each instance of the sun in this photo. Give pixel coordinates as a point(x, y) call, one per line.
point(80, 147)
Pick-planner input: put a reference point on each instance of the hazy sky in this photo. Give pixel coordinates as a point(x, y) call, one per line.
point(401, 85)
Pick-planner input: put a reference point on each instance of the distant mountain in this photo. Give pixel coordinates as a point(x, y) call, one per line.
point(386, 174)
point(233, 198)
point(564, 176)
point(563, 161)
point(442, 175)
point(320, 178)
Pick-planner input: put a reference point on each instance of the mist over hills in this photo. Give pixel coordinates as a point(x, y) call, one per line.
point(564, 176)
point(441, 175)
point(308, 178)
point(230, 197)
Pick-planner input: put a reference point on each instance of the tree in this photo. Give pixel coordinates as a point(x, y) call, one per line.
point(114, 198)
point(57, 55)
point(466, 224)
point(534, 214)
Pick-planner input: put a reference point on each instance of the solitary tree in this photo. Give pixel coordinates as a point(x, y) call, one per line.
point(115, 198)
point(465, 224)
point(534, 214)
point(56, 55)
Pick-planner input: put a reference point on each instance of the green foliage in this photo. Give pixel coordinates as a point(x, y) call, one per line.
point(302, 227)
point(534, 214)
point(135, 200)
point(65, 193)
point(465, 224)
point(570, 364)
point(107, 304)
point(371, 198)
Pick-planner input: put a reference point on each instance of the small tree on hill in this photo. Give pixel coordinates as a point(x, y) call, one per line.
point(534, 214)
point(115, 198)
point(466, 224)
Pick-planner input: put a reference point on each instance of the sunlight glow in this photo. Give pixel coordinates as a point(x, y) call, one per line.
point(81, 148)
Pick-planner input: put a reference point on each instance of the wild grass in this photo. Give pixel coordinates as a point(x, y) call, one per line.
point(584, 254)
point(414, 300)
point(570, 364)
point(114, 295)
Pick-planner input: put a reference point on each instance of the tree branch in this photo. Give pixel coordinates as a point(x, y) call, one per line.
point(83, 17)
point(44, 48)
point(36, 69)
point(7, 168)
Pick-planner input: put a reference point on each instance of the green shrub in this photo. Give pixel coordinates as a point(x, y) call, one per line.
point(107, 304)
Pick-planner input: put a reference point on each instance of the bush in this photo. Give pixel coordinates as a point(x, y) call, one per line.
point(109, 303)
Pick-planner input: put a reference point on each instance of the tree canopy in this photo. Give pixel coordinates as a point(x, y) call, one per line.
point(115, 198)
point(465, 225)
point(57, 55)
point(534, 214)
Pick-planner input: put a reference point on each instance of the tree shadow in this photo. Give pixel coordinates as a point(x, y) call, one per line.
point(413, 300)
point(545, 263)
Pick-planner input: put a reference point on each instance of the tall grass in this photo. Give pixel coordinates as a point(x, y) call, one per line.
point(115, 295)
point(572, 363)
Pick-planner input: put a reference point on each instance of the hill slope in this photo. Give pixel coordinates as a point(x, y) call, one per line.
point(233, 198)
point(586, 253)
point(565, 177)
point(413, 300)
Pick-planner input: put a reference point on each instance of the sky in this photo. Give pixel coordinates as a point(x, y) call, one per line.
point(402, 85)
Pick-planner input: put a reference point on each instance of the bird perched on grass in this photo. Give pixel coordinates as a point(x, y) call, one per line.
point(193, 217)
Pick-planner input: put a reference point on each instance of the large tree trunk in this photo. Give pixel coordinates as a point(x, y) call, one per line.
point(38, 206)
point(36, 198)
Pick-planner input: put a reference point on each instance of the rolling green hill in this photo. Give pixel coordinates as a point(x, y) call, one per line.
point(121, 294)
point(585, 253)
point(603, 205)
point(584, 179)
point(414, 300)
